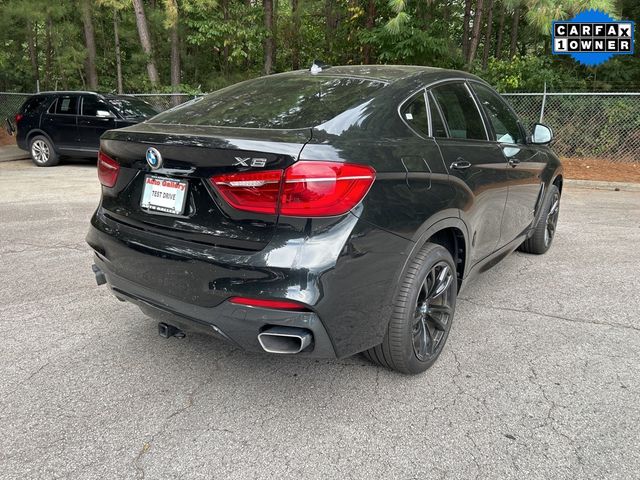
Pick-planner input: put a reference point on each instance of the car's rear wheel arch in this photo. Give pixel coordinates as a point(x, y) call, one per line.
point(35, 132)
point(558, 183)
point(451, 233)
point(452, 238)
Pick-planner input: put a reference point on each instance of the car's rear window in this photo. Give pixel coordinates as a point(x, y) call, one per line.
point(132, 107)
point(33, 103)
point(275, 102)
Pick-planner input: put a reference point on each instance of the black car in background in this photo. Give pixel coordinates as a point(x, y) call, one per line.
point(323, 213)
point(51, 124)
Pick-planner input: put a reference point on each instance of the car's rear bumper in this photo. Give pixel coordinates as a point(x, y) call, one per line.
point(237, 324)
point(345, 274)
point(21, 142)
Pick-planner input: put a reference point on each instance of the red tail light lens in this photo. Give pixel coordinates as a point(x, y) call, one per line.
point(276, 304)
point(323, 189)
point(252, 191)
point(19, 117)
point(108, 170)
point(306, 189)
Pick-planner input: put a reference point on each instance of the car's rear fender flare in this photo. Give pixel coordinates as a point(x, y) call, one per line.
point(556, 178)
point(36, 131)
point(449, 219)
point(444, 221)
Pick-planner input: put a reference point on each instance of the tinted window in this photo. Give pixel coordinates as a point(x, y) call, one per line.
point(66, 105)
point(93, 106)
point(460, 112)
point(415, 114)
point(32, 104)
point(275, 102)
point(437, 125)
point(130, 107)
point(504, 122)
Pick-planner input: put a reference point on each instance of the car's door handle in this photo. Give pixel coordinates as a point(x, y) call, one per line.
point(513, 162)
point(460, 164)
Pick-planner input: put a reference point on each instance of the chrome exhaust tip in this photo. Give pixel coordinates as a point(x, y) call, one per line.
point(285, 340)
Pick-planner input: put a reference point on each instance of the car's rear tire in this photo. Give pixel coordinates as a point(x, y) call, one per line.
point(422, 313)
point(42, 152)
point(540, 241)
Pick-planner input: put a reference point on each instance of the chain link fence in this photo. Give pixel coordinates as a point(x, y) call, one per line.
point(10, 103)
point(585, 125)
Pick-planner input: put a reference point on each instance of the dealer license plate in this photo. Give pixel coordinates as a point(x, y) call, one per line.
point(162, 194)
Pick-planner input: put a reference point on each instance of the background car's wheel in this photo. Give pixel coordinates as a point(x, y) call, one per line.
point(545, 230)
point(42, 152)
point(422, 314)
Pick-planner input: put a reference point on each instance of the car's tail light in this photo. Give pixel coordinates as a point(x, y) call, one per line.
point(305, 189)
point(318, 189)
point(262, 303)
point(251, 191)
point(19, 117)
point(108, 170)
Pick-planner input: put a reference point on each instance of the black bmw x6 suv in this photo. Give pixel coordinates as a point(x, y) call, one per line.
point(51, 124)
point(323, 214)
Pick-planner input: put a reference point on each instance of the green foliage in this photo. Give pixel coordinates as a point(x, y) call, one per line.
point(241, 34)
point(529, 74)
point(411, 45)
point(221, 41)
point(541, 13)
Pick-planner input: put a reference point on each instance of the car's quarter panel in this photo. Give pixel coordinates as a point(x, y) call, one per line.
point(411, 183)
point(29, 116)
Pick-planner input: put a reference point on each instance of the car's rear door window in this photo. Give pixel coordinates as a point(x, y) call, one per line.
point(506, 127)
point(66, 105)
point(32, 104)
point(92, 106)
point(275, 102)
point(414, 113)
point(460, 112)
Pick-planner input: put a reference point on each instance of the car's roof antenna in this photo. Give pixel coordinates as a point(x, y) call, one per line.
point(318, 67)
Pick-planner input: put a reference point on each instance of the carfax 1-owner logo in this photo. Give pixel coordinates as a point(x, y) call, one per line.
point(592, 37)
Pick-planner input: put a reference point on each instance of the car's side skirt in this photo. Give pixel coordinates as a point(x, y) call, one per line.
point(493, 259)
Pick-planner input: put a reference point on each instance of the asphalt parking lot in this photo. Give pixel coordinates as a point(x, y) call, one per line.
point(539, 379)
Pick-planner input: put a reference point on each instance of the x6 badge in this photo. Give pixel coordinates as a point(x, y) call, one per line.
point(250, 162)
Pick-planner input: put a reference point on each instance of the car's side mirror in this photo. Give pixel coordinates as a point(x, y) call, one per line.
point(542, 135)
point(11, 130)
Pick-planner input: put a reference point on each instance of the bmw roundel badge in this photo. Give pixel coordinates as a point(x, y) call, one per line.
point(154, 159)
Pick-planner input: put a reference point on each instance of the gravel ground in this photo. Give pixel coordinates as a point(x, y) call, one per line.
point(539, 378)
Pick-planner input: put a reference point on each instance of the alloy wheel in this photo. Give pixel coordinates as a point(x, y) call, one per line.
point(552, 219)
point(40, 151)
point(433, 311)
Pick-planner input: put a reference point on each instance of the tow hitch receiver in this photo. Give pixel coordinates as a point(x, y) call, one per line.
point(167, 331)
point(100, 278)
